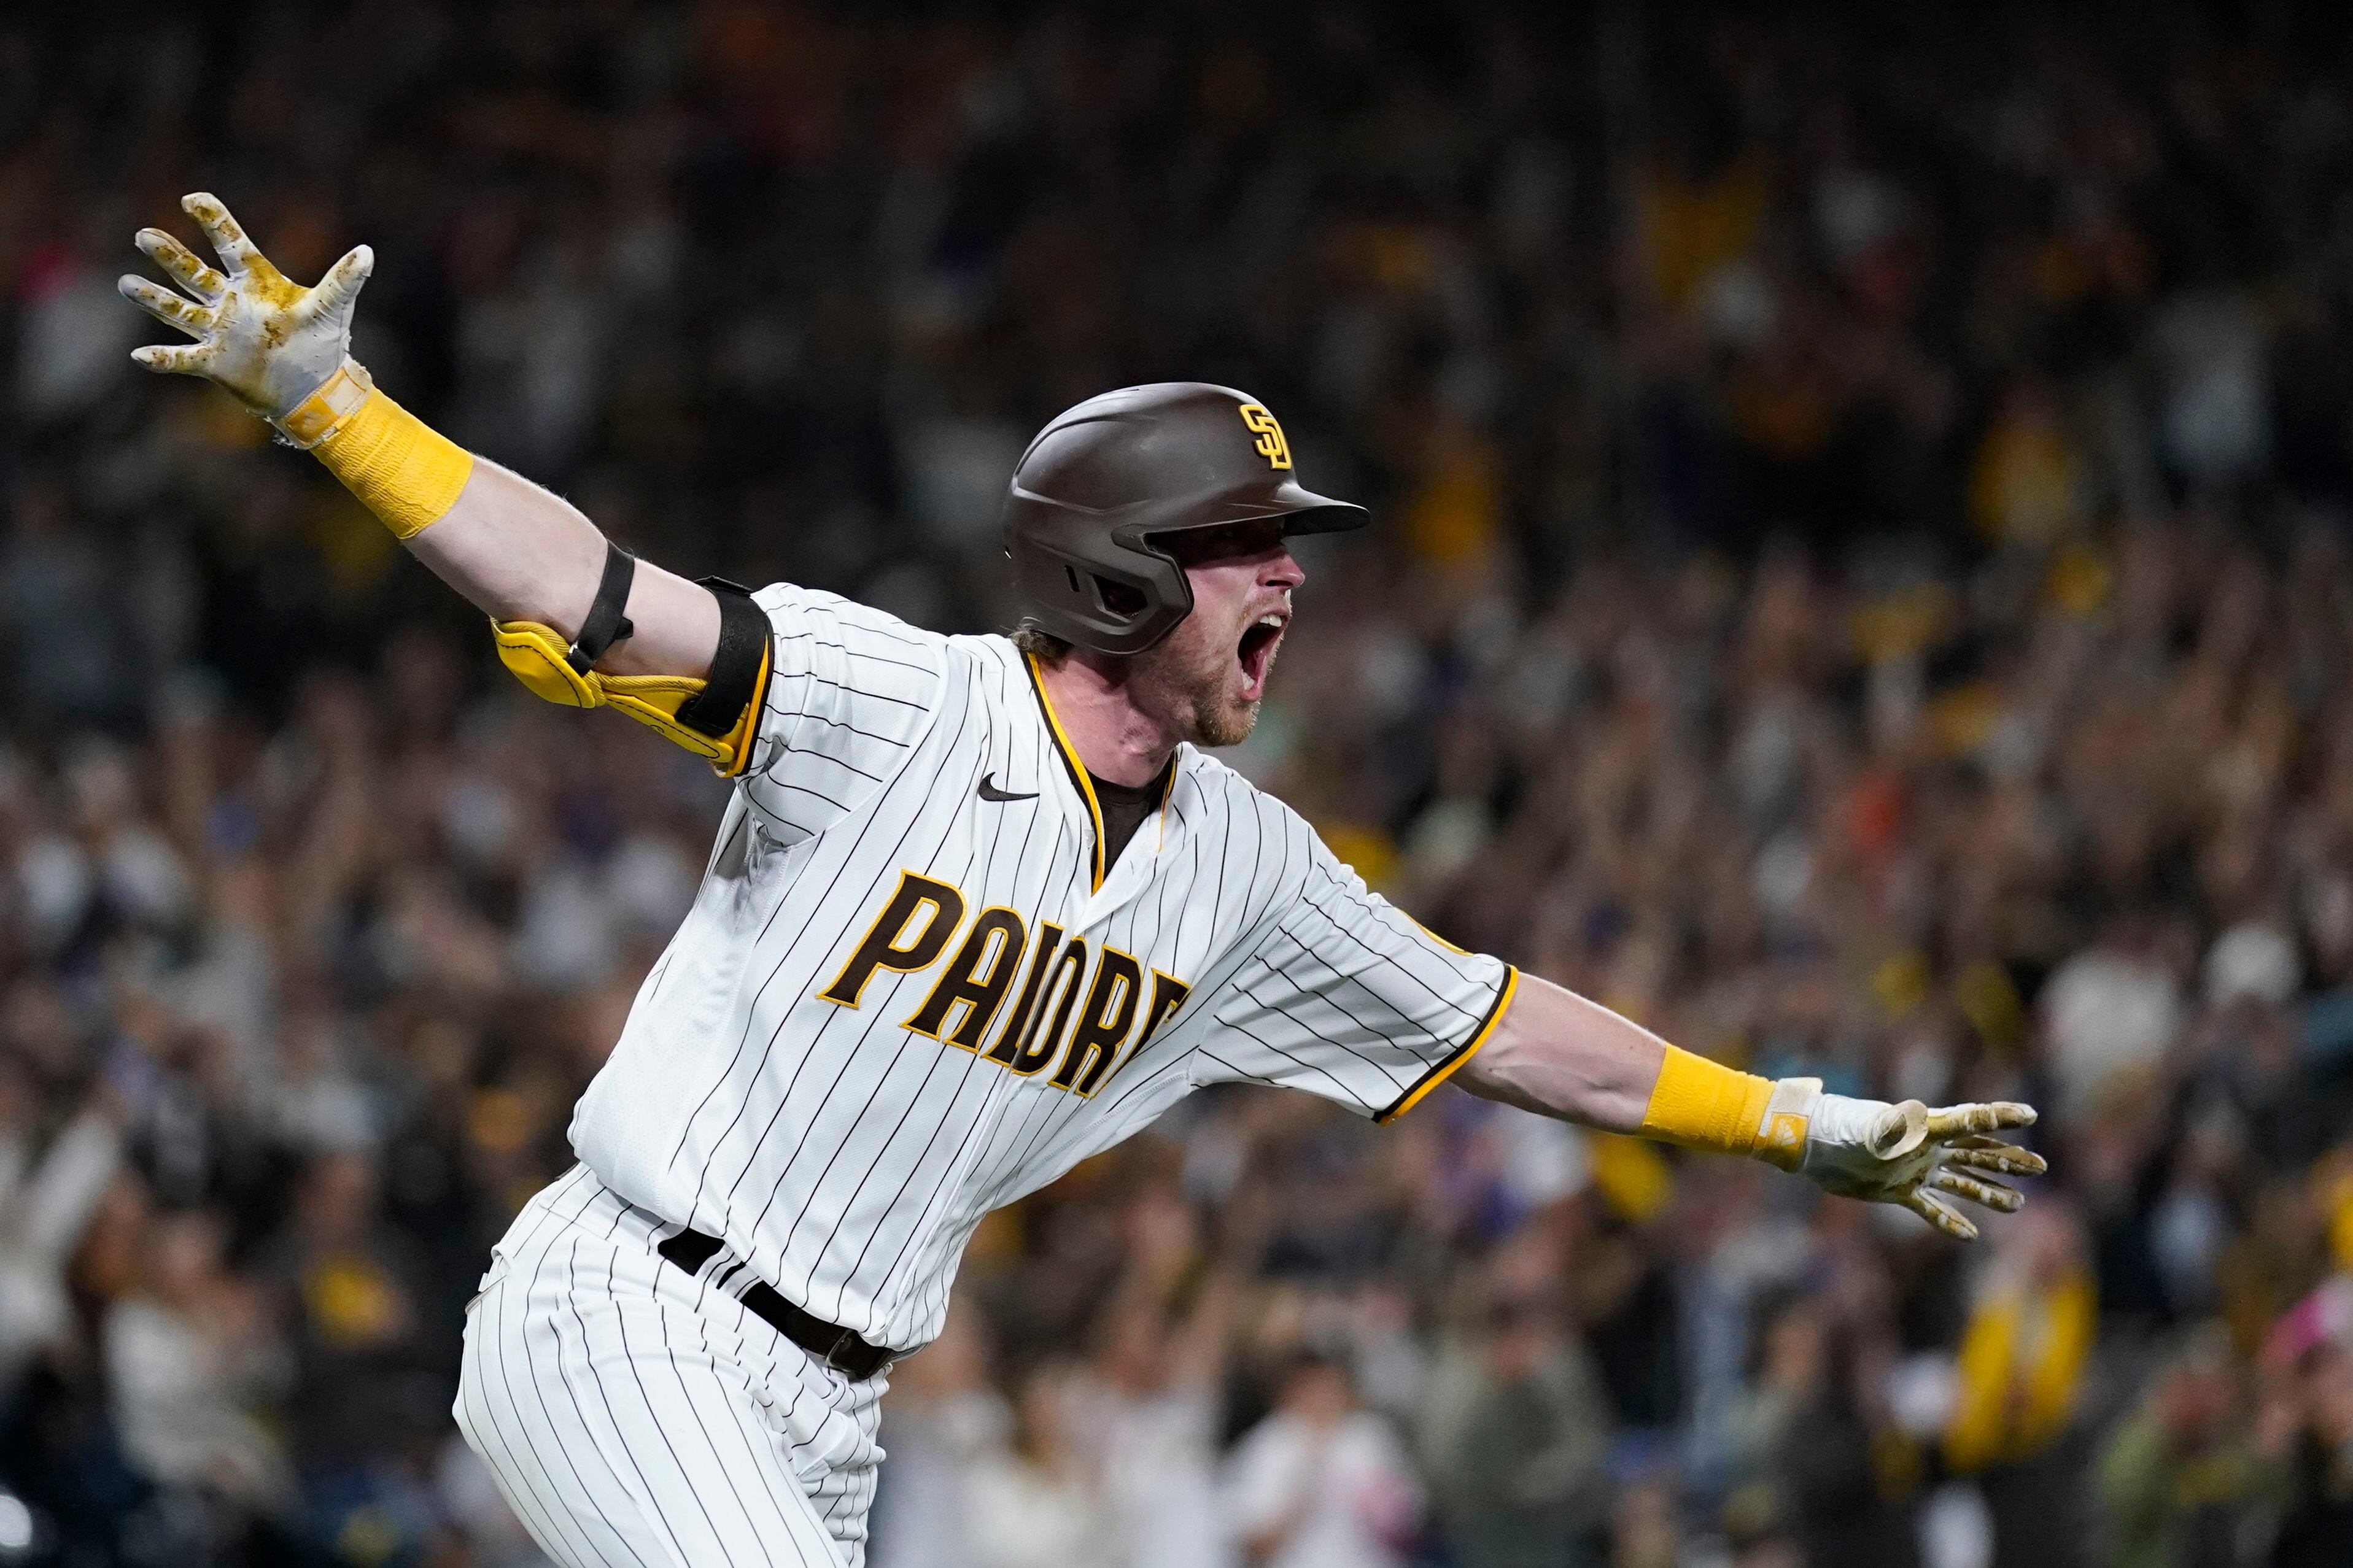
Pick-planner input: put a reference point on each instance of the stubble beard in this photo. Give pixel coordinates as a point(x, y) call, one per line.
point(1188, 678)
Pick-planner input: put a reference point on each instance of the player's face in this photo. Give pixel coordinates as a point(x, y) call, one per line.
point(1207, 678)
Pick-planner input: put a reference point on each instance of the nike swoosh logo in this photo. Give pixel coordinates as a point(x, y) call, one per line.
point(988, 790)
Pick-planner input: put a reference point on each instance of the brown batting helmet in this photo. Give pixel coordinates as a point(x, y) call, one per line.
point(1104, 485)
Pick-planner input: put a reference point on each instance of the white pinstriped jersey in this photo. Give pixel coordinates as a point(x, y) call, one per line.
point(910, 992)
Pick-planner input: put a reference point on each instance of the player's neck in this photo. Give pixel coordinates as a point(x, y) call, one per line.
point(1093, 701)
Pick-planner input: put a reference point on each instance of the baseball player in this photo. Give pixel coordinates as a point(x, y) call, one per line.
point(979, 907)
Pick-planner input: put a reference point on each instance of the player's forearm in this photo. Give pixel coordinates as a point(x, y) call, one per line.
point(525, 556)
point(1558, 1054)
point(579, 621)
point(519, 553)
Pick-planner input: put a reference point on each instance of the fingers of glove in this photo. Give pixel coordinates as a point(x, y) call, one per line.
point(1898, 1131)
point(342, 284)
point(185, 359)
point(1940, 1214)
point(1955, 1120)
point(1992, 1154)
point(1978, 1141)
point(229, 241)
point(1992, 1195)
point(181, 262)
point(177, 309)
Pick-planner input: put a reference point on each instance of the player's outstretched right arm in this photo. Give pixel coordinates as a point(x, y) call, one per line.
point(577, 621)
point(1556, 1053)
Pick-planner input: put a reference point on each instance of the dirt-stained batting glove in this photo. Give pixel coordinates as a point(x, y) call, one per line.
point(269, 342)
point(1908, 1154)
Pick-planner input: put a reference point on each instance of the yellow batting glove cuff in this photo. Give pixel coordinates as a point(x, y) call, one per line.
point(325, 411)
point(1701, 1104)
point(402, 469)
point(1789, 1123)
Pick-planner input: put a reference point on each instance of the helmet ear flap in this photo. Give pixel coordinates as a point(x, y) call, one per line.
point(1117, 603)
point(1117, 598)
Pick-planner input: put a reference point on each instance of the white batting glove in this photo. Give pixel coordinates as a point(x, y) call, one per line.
point(1908, 1154)
point(269, 342)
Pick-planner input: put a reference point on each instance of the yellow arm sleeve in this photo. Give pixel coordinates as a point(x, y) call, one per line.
point(400, 468)
point(1701, 1104)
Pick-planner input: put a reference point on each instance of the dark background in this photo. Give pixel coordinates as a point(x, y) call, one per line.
point(1861, 582)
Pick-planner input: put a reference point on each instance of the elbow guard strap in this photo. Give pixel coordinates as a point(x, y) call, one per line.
point(605, 624)
point(714, 718)
point(739, 668)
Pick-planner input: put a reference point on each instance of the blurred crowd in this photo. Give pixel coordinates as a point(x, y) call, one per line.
point(1862, 582)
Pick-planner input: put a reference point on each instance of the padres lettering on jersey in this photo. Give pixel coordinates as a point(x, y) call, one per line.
point(978, 977)
point(903, 999)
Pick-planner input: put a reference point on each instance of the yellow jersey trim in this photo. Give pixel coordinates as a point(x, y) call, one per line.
point(1459, 951)
point(1160, 817)
point(742, 739)
point(1079, 780)
point(1468, 1049)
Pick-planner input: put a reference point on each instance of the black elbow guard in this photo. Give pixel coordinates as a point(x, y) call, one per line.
point(735, 683)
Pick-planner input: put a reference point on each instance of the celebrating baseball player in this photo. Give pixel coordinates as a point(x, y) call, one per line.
point(980, 907)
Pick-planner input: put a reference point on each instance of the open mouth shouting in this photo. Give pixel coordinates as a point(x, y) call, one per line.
point(1255, 652)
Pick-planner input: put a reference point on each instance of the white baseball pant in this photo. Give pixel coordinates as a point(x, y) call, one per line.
point(639, 1416)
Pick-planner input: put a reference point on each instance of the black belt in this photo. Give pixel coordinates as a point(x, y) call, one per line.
point(838, 1347)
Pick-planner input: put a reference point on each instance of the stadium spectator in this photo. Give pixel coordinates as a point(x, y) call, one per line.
point(192, 1359)
point(1514, 1431)
point(2177, 1475)
point(1148, 1405)
point(1321, 1481)
point(1040, 1501)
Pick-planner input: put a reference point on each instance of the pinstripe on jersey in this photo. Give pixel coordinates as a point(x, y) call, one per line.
point(638, 1417)
point(847, 1156)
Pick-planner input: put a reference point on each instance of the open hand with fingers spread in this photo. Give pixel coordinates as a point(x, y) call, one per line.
point(1910, 1155)
point(269, 342)
point(284, 351)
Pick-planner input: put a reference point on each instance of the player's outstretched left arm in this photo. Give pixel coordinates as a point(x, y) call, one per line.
point(1556, 1053)
point(578, 621)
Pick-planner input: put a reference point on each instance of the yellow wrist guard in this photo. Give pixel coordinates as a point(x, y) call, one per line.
point(536, 655)
point(1701, 1104)
point(399, 467)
